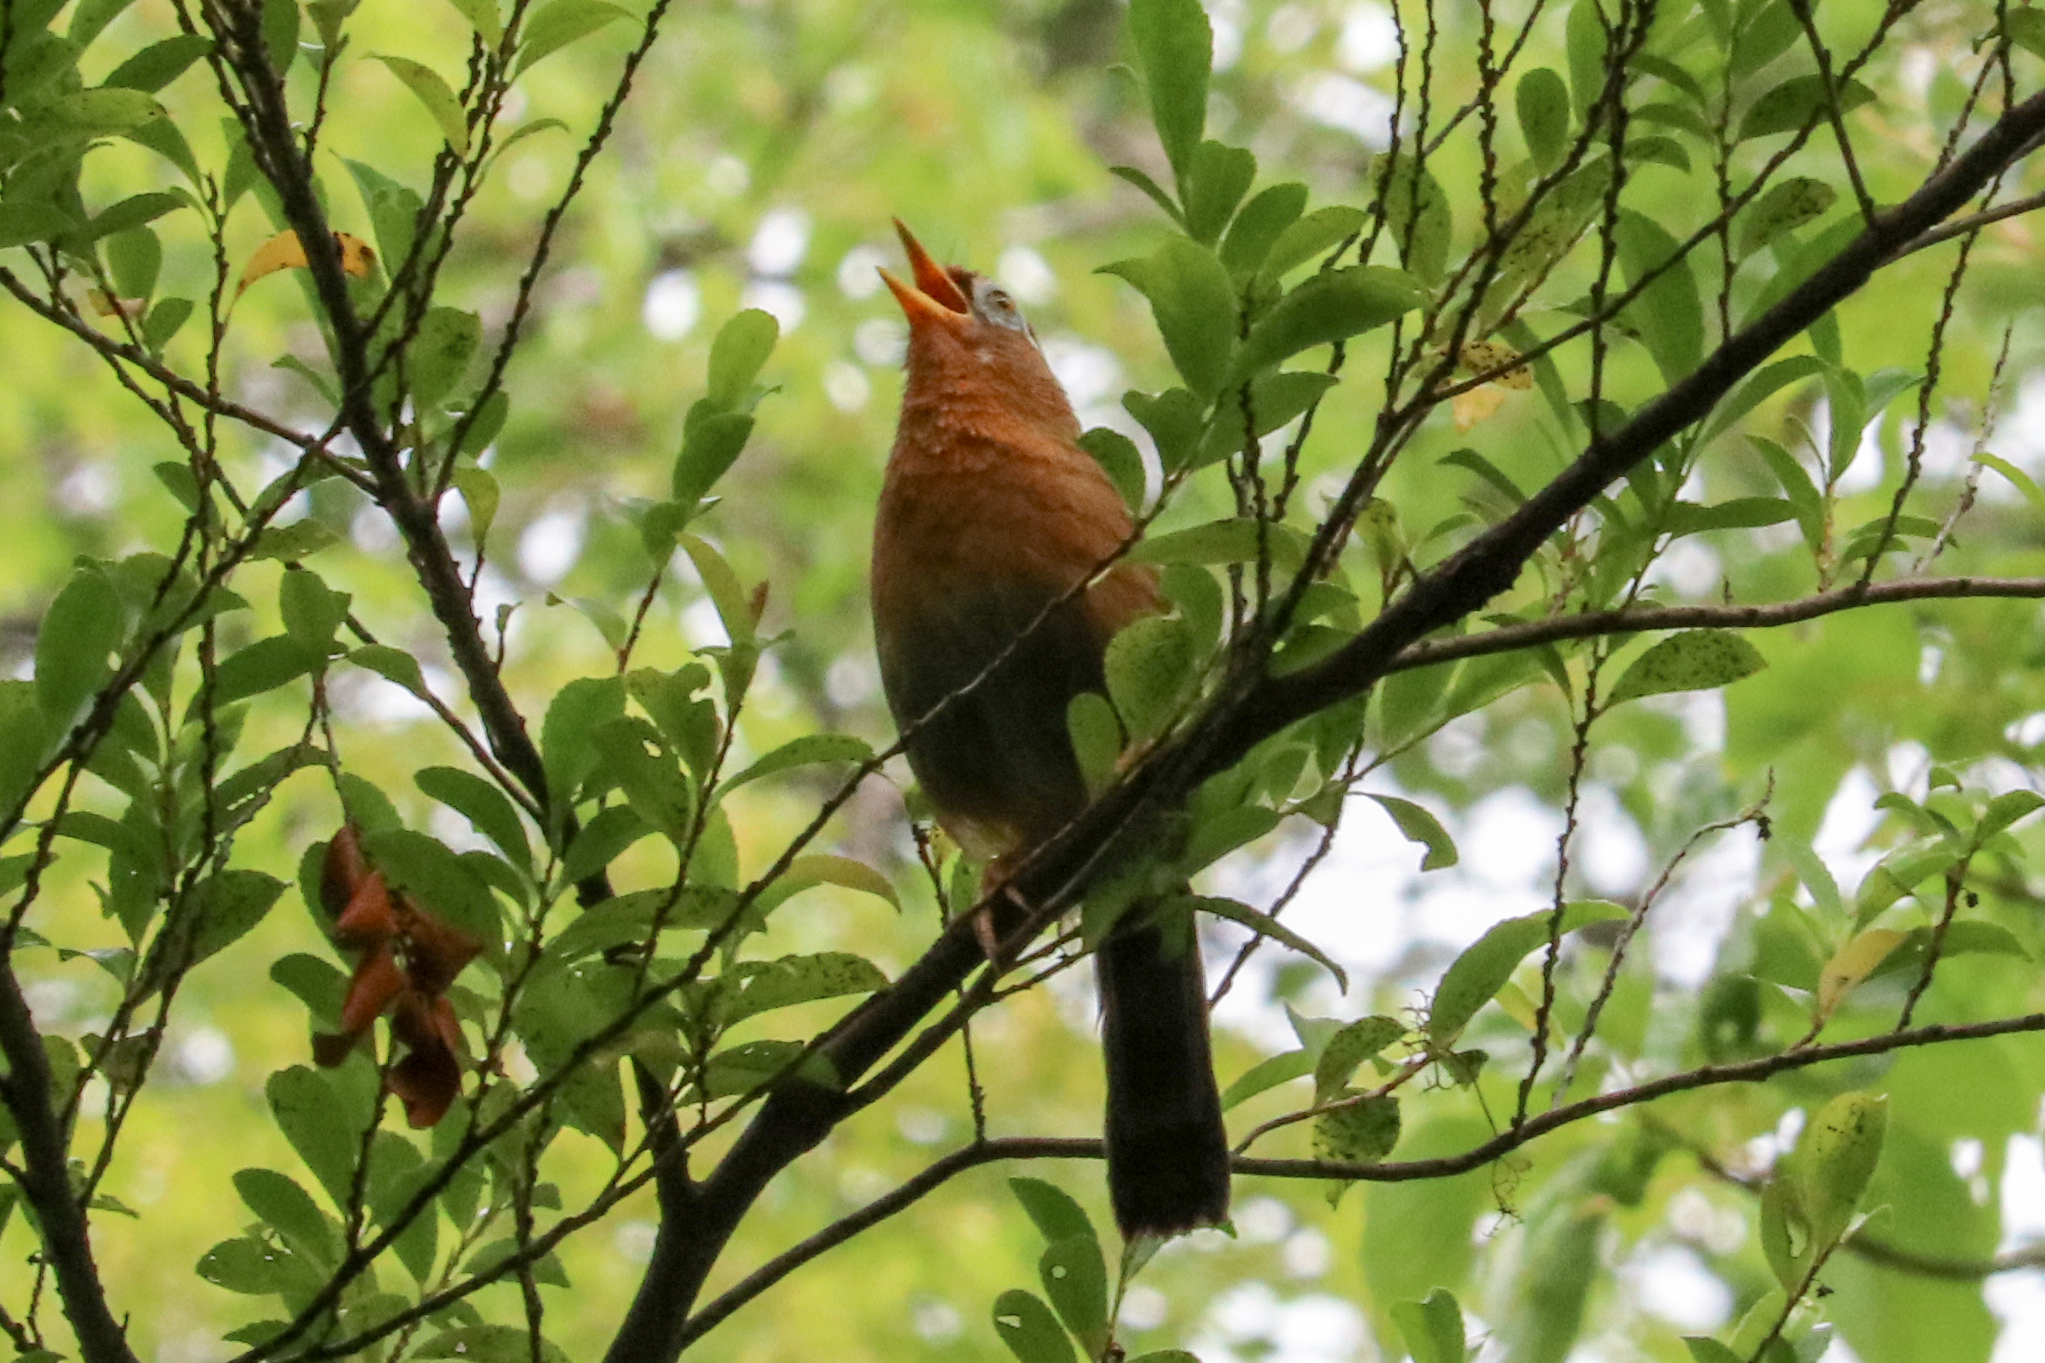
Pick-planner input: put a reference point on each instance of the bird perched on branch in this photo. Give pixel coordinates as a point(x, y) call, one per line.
point(991, 519)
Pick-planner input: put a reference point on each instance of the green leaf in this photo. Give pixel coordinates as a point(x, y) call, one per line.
point(567, 742)
point(1669, 314)
point(1220, 176)
point(1315, 234)
point(1195, 306)
point(281, 19)
point(164, 321)
point(162, 137)
point(738, 354)
point(442, 882)
point(440, 353)
point(1120, 460)
point(807, 751)
point(636, 756)
point(228, 904)
point(248, 1265)
point(1705, 1350)
point(1798, 101)
point(327, 18)
point(1343, 1052)
point(1418, 220)
point(311, 610)
point(1433, 1329)
point(1256, 229)
point(1542, 102)
point(1174, 418)
point(1276, 399)
point(433, 91)
point(1587, 44)
point(488, 1343)
point(822, 868)
point(484, 18)
point(1051, 1208)
point(1237, 540)
point(1216, 837)
point(26, 224)
point(2005, 810)
point(1787, 205)
point(1739, 513)
point(134, 259)
point(317, 983)
point(1030, 1330)
point(1096, 738)
point(264, 666)
point(1151, 670)
point(1331, 306)
point(1482, 970)
point(393, 210)
point(1175, 47)
point(483, 805)
point(298, 540)
point(1259, 922)
point(1836, 1158)
point(1267, 1074)
point(393, 665)
point(769, 985)
point(1151, 189)
point(81, 631)
point(1075, 1277)
point(1422, 827)
point(1695, 660)
point(1364, 1132)
point(101, 113)
point(711, 443)
point(2017, 478)
point(158, 64)
point(559, 23)
point(319, 1126)
point(291, 364)
point(88, 20)
point(280, 1203)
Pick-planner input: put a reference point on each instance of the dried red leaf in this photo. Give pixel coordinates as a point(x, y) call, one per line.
point(377, 981)
point(342, 870)
point(430, 1075)
point(369, 922)
point(426, 1082)
point(436, 950)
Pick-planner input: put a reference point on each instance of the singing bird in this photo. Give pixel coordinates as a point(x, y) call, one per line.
point(991, 516)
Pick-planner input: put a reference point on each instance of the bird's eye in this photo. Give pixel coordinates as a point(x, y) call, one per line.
point(994, 305)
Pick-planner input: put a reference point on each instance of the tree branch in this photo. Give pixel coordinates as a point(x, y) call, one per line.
point(274, 145)
point(1642, 619)
point(1491, 563)
point(45, 1180)
point(983, 1152)
point(1250, 707)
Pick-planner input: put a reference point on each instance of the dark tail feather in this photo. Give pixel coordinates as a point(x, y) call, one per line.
point(1167, 1148)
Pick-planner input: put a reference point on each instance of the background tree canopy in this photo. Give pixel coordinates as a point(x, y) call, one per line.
point(460, 896)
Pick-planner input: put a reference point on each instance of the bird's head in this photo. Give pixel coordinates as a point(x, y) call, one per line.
point(966, 333)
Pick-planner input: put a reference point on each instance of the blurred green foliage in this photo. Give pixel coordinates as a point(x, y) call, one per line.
point(762, 151)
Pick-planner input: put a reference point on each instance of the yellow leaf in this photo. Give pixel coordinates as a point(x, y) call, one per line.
point(105, 304)
point(282, 252)
point(1481, 357)
point(1477, 405)
point(1853, 963)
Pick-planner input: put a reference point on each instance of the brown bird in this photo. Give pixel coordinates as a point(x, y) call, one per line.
point(990, 514)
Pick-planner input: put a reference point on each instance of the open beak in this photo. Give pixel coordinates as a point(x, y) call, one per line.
point(935, 296)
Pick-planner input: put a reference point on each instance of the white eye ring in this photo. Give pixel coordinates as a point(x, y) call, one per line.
point(994, 305)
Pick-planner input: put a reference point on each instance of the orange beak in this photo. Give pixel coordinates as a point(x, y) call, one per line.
point(935, 296)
